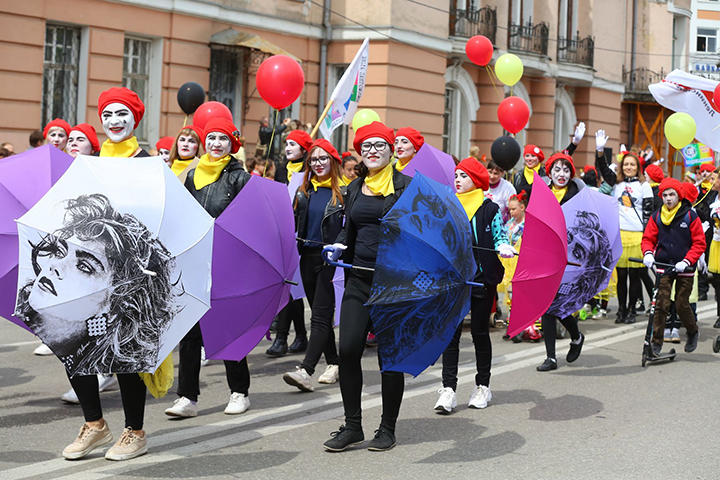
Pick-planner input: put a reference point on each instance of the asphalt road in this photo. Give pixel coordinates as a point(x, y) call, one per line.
point(603, 417)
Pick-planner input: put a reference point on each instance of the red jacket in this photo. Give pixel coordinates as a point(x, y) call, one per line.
point(683, 239)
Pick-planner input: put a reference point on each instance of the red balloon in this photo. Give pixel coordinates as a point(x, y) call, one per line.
point(280, 81)
point(479, 50)
point(209, 110)
point(513, 114)
point(716, 96)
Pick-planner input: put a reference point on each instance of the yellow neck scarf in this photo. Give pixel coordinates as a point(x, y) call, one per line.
point(179, 166)
point(667, 215)
point(706, 185)
point(529, 173)
point(400, 166)
point(471, 201)
point(294, 167)
point(327, 183)
point(346, 180)
point(654, 184)
point(124, 149)
point(382, 182)
point(559, 193)
point(208, 172)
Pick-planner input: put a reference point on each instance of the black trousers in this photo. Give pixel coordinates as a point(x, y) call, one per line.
point(317, 280)
point(480, 310)
point(132, 391)
point(715, 281)
point(549, 326)
point(622, 287)
point(237, 373)
point(294, 312)
point(355, 324)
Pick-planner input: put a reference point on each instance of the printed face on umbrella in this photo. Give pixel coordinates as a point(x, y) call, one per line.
point(376, 153)
point(217, 145)
point(187, 147)
point(670, 198)
point(531, 161)
point(560, 174)
point(78, 144)
point(429, 214)
point(463, 182)
point(118, 122)
point(57, 138)
point(404, 149)
point(320, 163)
point(293, 150)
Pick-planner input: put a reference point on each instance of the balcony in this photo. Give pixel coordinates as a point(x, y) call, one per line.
point(468, 23)
point(576, 50)
point(529, 38)
point(637, 82)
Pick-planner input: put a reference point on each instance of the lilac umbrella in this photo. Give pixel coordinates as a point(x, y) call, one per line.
point(432, 163)
point(297, 291)
point(254, 259)
point(24, 179)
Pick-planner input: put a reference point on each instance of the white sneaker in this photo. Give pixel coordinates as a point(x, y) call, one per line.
point(239, 403)
point(480, 397)
point(300, 379)
point(106, 382)
point(70, 397)
point(203, 360)
point(182, 407)
point(43, 350)
point(331, 375)
point(447, 401)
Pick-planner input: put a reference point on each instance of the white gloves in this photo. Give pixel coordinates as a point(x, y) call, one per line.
point(332, 252)
point(506, 251)
point(600, 140)
point(681, 266)
point(649, 260)
point(579, 133)
point(702, 264)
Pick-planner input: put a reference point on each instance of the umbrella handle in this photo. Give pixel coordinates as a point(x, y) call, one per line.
point(343, 265)
point(474, 284)
point(573, 264)
point(664, 265)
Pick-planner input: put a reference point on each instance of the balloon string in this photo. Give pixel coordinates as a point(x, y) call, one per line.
point(185, 121)
point(272, 139)
point(491, 74)
point(511, 90)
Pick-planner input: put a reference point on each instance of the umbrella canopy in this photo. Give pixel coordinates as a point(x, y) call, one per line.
point(297, 291)
point(114, 265)
point(432, 163)
point(338, 282)
point(255, 257)
point(594, 248)
point(420, 290)
point(24, 179)
point(542, 260)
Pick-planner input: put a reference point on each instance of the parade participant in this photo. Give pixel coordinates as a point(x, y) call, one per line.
point(348, 167)
point(515, 228)
point(471, 180)
point(367, 200)
point(713, 252)
point(407, 143)
point(635, 200)
point(120, 110)
point(702, 207)
point(674, 235)
point(318, 217)
point(256, 166)
point(56, 133)
point(561, 172)
point(82, 140)
point(214, 183)
point(184, 152)
point(297, 146)
point(499, 189)
point(163, 147)
point(654, 176)
point(590, 177)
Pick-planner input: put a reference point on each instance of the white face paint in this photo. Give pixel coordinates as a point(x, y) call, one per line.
point(217, 145)
point(187, 147)
point(560, 174)
point(670, 198)
point(78, 144)
point(320, 163)
point(165, 155)
point(57, 138)
point(373, 159)
point(463, 182)
point(404, 149)
point(118, 122)
point(293, 150)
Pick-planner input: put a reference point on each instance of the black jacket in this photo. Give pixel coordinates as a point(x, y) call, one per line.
point(217, 196)
point(331, 222)
point(490, 269)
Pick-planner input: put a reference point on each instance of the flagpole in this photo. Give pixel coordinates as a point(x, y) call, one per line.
point(322, 116)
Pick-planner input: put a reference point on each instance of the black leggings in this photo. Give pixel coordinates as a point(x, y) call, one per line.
point(317, 280)
point(622, 287)
point(645, 281)
point(294, 312)
point(715, 281)
point(355, 324)
point(549, 327)
point(480, 330)
point(132, 391)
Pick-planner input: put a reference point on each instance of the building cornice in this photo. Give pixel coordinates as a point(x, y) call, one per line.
point(385, 33)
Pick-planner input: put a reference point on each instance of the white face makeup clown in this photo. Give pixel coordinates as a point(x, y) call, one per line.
point(217, 145)
point(463, 182)
point(293, 150)
point(187, 147)
point(57, 138)
point(560, 174)
point(320, 163)
point(376, 153)
point(670, 198)
point(78, 144)
point(165, 155)
point(118, 122)
point(404, 149)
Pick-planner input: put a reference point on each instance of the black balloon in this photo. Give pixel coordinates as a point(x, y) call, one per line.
point(190, 96)
point(505, 151)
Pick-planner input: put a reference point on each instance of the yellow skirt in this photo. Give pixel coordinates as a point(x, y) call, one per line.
point(611, 290)
point(631, 248)
point(510, 264)
point(714, 260)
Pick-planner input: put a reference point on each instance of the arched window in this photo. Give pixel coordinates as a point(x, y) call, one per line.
point(461, 107)
point(565, 119)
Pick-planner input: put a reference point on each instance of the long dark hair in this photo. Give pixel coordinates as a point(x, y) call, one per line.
point(335, 176)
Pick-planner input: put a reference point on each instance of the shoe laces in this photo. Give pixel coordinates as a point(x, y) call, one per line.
point(380, 432)
point(236, 397)
point(339, 431)
point(84, 432)
point(127, 437)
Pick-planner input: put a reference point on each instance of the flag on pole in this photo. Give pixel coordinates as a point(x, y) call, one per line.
point(347, 93)
point(697, 154)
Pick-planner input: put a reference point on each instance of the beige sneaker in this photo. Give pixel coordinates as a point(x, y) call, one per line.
point(128, 446)
point(87, 440)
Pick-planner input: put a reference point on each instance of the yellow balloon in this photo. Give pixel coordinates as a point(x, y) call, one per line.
point(680, 129)
point(509, 69)
point(364, 117)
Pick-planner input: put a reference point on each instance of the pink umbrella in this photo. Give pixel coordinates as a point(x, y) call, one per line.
point(542, 260)
point(432, 163)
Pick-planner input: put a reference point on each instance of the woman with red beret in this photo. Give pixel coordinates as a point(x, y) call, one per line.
point(163, 147)
point(56, 133)
point(407, 143)
point(488, 227)
point(82, 140)
point(184, 152)
point(120, 111)
point(348, 167)
point(368, 198)
point(318, 218)
point(297, 146)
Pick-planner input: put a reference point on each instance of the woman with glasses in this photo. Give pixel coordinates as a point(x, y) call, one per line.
point(368, 199)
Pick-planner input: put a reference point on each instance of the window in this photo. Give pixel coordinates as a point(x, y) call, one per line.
point(568, 19)
point(60, 73)
point(456, 125)
point(447, 119)
point(706, 40)
point(225, 65)
point(521, 12)
point(136, 75)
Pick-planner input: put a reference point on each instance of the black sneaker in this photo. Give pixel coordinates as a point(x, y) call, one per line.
point(278, 348)
point(717, 323)
point(345, 437)
point(383, 441)
point(548, 364)
point(692, 342)
point(299, 345)
point(702, 297)
point(630, 317)
point(575, 349)
point(640, 306)
point(620, 316)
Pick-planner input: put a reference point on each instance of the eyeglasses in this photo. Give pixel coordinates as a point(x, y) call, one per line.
point(319, 160)
point(379, 147)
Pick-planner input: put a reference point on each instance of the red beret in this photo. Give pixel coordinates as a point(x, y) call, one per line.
point(707, 167)
point(589, 168)
point(476, 171)
point(223, 125)
point(302, 138)
point(674, 184)
point(559, 156)
point(328, 147)
point(346, 154)
point(534, 150)
point(690, 191)
point(125, 96)
point(89, 132)
point(375, 129)
point(58, 122)
point(413, 135)
point(165, 143)
point(655, 173)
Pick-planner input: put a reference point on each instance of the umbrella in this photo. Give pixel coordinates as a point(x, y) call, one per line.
point(594, 247)
point(255, 257)
point(432, 163)
point(542, 260)
point(296, 288)
point(338, 282)
point(114, 265)
point(420, 290)
point(24, 179)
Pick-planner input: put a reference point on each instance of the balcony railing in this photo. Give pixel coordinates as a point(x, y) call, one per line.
point(529, 38)
point(638, 80)
point(468, 23)
point(576, 50)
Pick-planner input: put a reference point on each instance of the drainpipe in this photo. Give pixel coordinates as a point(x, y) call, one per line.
point(632, 70)
point(327, 5)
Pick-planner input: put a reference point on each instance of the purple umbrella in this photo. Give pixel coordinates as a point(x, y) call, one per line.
point(432, 163)
point(297, 291)
point(254, 258)
point(24, 179)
